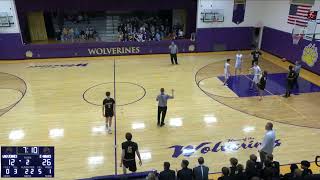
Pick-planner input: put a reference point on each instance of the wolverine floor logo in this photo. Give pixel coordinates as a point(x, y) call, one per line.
point(59, 65)
point(230, 145)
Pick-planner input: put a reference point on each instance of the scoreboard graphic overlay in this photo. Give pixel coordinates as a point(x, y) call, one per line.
point(27, 161)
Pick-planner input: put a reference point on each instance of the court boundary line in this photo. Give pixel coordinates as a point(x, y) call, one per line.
point(266, 119)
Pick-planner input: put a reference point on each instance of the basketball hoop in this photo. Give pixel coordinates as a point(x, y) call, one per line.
point(296, 38)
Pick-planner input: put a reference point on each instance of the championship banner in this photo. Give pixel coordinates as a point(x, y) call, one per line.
point(239, 9)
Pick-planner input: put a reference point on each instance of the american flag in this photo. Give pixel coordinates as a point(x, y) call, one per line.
point(298, 14)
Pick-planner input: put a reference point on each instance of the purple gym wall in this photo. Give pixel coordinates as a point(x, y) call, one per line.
point(280, 44)
point(224, 39)
point(11, 46)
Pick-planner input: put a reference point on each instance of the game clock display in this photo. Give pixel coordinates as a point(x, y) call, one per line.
point(27, 161)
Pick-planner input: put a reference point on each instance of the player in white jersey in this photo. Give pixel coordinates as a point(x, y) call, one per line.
point(226, 72)
point(237, 66)
point(256, 70)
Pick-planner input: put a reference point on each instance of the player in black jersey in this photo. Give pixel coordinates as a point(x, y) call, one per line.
point(128, 156)
point(290, 81)
point(108, 110)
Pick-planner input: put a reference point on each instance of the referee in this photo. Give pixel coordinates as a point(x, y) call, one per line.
point(173, 53)
point(162, 99)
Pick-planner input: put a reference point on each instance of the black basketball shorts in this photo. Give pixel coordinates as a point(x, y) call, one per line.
point(109, 113)
point(130, 164)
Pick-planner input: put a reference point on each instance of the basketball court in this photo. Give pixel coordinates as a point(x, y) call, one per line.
point(57, 102)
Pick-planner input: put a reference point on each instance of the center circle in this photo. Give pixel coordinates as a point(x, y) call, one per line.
point(126, 93)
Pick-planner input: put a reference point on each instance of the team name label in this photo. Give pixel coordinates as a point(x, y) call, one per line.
point(230, 145)
point(114, 51)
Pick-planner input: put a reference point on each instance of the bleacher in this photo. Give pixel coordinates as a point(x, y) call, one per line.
point(106, 26)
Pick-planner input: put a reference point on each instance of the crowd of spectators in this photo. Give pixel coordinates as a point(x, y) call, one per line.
point(76, 34)
point(254, 170)
point(77, 29)
point(152, 28)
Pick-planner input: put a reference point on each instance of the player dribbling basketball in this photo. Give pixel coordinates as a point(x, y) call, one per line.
point(108, 110)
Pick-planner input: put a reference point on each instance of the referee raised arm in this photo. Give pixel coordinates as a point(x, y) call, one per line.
point(162, 99)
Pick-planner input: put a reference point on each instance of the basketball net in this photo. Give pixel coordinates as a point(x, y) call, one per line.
point(297, 33)
point(296, 38)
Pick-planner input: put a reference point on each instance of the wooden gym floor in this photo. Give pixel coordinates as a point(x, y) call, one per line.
point(60, 107)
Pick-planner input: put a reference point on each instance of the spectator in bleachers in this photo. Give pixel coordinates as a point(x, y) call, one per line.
point(185, 173)
point(275, 165)
point(71, 34)
point(305, 168)
point(225, 174)
point(297, 174)
point(157, 36)
point(167, 173)
point(87, 32)
point(251, 169)
point(201, 172)
point(258, 165)
point(240, 173)
point(58, 34)
point(290, 175)
point(233, 168)
point(77, 33)
point(65, 32)
point(268, 174)
point(151, 176)
point(143, 29)
point(180, 34)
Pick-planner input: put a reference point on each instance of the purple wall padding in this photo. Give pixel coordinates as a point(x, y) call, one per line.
point(210, 39)
point(280, 44)
point(82, 49)
point(11, 46)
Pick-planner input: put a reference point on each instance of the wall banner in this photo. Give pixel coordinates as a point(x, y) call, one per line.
point(239, 9)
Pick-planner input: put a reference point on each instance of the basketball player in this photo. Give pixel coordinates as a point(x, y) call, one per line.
point(108, 110)
point(256, 75)
point(290, 81)
point(262, 83)
point(162, 99)
point(226, 72)
point(255, 56)
point(128, 155)
point(237, 66)
point(297, 68)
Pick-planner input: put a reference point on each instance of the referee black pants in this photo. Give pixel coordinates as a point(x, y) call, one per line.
point(162, 111)
point(174, 58)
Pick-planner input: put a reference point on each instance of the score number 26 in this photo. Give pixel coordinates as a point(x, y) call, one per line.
point(46, 162)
